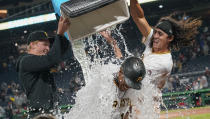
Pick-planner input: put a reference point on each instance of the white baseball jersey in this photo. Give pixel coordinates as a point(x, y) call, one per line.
point(158, 65)
point(145, 102)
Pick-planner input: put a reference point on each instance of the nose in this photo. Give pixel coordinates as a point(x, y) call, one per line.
point(47, 48)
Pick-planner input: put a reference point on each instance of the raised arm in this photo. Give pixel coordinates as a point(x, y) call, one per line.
point(113, 43)
point(137, 14)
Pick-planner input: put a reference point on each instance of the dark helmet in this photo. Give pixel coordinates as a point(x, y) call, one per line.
point(134, 71)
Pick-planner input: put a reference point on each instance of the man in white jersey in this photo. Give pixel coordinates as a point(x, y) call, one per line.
point(169, 34)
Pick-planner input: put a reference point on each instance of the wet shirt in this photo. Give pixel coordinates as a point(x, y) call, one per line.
point(135, 103)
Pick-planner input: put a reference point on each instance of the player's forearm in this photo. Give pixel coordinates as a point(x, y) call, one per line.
point(143, 26)
point(65, 45)
point(117, 51)
point(137, 14)
point(57, 47)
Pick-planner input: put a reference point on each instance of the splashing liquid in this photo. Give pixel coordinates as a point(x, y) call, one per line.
point(95, 100)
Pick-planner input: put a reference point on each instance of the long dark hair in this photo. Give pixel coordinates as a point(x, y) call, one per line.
point(185, 29)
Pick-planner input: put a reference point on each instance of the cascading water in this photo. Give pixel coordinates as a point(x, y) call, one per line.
point(95, 99)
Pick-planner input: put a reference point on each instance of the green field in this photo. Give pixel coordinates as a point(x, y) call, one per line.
point(205, 115)
point(200, 116)
point(179, 110)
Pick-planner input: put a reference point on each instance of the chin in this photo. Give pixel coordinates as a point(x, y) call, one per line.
point(42, 53)
point(45, 53)
point(155, 47)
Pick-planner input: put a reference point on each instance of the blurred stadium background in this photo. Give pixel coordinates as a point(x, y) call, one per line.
point(187, 88)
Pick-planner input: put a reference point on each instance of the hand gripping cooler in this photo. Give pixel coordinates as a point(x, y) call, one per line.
point(90, 16)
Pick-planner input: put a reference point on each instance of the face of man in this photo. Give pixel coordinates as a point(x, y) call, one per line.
point(122, 84)
point(41, 47)
point(120, 75)
point(160, 40)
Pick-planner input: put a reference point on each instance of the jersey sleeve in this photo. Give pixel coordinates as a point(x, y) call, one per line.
point(147, 41)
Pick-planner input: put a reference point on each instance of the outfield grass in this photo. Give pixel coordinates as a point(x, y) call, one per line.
point(179, 110)
point(194, 116)
point(200, 116)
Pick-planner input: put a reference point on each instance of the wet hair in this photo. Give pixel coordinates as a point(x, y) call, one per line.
point(184, 30)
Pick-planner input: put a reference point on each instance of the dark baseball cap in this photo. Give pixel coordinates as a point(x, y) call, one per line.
point(134, 72)
point(39, 35)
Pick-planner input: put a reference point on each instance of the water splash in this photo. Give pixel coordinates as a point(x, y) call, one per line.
point(95, 100)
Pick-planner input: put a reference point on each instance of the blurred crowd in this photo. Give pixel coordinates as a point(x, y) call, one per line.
point(8, 58)
point(12, 100)
point(191, 82)
point(199, 49)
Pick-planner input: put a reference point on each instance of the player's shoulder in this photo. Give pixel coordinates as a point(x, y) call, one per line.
point(25, 56)
point(166, 59)
point(149, 36)
point(20, 60)
point(26, 59)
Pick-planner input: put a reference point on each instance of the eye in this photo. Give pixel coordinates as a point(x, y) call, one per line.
point(155, 31)
point(160, 33)
point(46, 44)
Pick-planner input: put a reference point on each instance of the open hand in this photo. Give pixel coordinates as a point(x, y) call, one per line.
point(107, 36)
point(63, 25)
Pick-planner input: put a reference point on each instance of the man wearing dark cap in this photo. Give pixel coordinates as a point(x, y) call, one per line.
point(34, 68)
point(131, 73)
point(128, 79)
